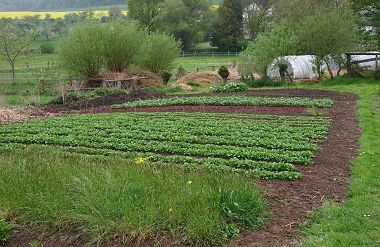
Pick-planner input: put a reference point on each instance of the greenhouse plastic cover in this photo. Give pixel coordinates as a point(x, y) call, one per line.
point(299, 67)
point(367, 65)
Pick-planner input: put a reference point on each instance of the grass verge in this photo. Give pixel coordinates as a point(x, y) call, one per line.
point(102, 198)
point(357, 221)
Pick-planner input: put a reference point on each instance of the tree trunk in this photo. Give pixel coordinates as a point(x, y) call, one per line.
point(287, 73)
point(329, 69)
point(13, 73)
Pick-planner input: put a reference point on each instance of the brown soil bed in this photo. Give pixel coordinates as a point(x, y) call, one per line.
point(104, 101)
point(291, 202)
point(297, 111)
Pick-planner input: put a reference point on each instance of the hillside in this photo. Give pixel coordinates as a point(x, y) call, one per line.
point(48, 5)
point(39, 5)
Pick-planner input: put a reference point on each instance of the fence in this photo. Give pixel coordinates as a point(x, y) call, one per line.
point(209, 53)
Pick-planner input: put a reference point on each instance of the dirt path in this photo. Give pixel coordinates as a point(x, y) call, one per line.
point(327, 179)
point(291, 202)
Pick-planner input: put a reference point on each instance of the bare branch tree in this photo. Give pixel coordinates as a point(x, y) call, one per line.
point(14, 43)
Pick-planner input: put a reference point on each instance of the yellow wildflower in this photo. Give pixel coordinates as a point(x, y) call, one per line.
point(189, 182)
point(141, 161)
point(170, 210)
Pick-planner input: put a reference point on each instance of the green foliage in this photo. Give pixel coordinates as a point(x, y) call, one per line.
point(184, 19)
point(356, 221)
point(230, 87)
point(5, 231)
point(82, 52)
point(193, 84)
point(158, 52)
point(231, 100)
point(122, 42)
point(264, 153)
point(99, 198)
point(47, 48)
point(327, 33)
point(264, 83)
point(282, 40)
point(144, 11)
point(228, 29)
point(224, 72)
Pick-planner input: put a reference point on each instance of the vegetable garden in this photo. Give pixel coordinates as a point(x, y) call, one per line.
point(260, 146)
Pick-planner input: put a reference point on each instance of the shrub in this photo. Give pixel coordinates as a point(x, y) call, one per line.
point(224, 73)
point(230, 87)
point(82, 50)
point(47, 48)
point(122, 43)
point(5, 230)
point(166, 77)
point(158, 53)
point(264, 82)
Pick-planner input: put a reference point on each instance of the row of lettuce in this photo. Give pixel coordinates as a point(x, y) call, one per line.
point(264, 147)
point(230, 101)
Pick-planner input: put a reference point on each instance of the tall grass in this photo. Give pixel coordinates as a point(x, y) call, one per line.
point(100, 198)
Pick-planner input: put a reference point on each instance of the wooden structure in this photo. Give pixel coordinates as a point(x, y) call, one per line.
point(123, 83)
point(351, 62)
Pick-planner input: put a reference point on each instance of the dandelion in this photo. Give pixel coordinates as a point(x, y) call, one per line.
point(189, 182)
point(141, 161)
point(170, 210)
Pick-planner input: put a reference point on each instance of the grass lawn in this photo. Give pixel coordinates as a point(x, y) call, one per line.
point(101, 198)
point(357, 221)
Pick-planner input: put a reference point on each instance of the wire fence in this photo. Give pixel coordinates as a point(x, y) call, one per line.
point(209, 53)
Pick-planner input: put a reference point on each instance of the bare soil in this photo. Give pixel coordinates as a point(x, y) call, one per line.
point(291, 202)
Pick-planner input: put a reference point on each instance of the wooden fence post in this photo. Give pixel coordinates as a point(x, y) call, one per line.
point(349, 65)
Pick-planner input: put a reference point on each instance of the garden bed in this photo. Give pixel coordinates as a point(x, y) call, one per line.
point(293, 201)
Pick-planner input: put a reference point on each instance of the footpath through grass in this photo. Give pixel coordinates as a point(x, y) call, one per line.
point(355, 223)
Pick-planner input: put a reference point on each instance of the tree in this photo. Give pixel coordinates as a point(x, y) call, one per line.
point(144, 11)
point(14, 44)
point(228, 29)
point(297, 10)
point(257, 16)
point(271, 46)
point(184, 19)
point(60, 27)
point(370, 12)
point(115, 13)
point(327, 34)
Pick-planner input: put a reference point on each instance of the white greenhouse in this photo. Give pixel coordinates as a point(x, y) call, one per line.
point(371, 65)
point(299, 67)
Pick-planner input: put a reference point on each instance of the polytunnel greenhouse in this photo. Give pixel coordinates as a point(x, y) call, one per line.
point(299, 67)
point(371, 65)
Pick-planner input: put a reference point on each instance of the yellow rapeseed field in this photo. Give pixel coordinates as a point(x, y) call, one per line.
point(42, 15)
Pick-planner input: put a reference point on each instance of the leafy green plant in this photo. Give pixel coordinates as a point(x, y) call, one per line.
point(82, 51)
point(47, 48)
point(121, 44)
point(230, 100)
point(263, 147)
point(158, 52)
point(5, 231)
point(264, 82)
point(224, 73)
point(230, 87)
